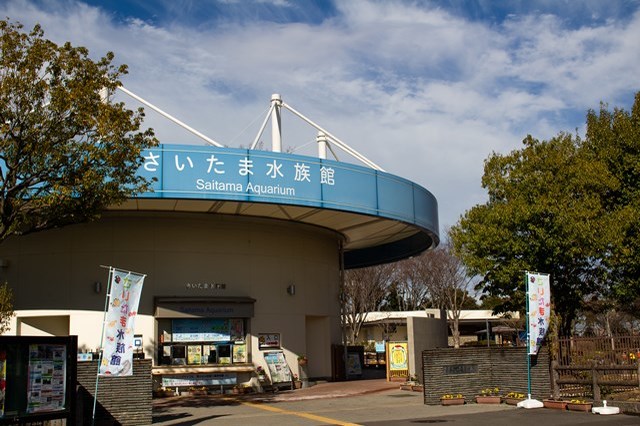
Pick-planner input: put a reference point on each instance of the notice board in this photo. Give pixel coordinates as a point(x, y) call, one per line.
point(39, 377)
point(278, 368)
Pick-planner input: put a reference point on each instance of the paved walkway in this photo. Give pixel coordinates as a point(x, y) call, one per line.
point(336, 390)
point(363, 402)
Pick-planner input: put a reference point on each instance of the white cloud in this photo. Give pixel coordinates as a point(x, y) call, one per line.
point(424, 93)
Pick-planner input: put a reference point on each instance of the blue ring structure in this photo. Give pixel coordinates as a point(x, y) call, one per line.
point(381, 217)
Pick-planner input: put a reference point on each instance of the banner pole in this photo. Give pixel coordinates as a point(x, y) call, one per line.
point(528, 403)
point(104, 318)
point(526, 286)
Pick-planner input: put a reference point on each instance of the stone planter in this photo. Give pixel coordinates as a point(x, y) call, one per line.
point(579, 406)
point(555, 404)
point(406, 386)
point(488, 399)
point(451, 401)
point(417, 388)
point(163, 393)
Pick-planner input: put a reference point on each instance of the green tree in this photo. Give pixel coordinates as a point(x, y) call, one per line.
point(613, 138)
point(6, 307)
point(490, 302)
point(545, 213)
point(66, 152)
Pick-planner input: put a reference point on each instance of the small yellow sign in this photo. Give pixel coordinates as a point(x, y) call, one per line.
point(398, 356)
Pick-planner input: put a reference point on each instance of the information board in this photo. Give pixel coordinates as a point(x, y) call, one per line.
point(354, 367)
point(46, 387)
point(37, 378)
point(278, 368)
point(268, 341)
point(199, 330)
point(200, 380)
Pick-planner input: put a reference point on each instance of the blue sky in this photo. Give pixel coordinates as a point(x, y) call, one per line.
point(425, 89)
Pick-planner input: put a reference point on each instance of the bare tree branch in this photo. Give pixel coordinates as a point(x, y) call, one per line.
point(363, 292)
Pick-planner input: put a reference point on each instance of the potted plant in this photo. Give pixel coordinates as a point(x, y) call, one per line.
point(163, 392)
point(194, 391)
point(579, 405)
point(452, 399)
point(489, 396)
point(297, 383)
point(512, 398)
point(302, 359)
point(416, 386)
point(262, 374)
point(409, 384)
point(556, 404)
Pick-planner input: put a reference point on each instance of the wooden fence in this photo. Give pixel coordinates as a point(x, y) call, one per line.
point(596, 366)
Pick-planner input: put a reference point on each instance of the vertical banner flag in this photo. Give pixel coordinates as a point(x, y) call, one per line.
point(117, 351)
point(539, 309)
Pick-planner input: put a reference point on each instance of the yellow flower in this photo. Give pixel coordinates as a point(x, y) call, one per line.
point(578, 401)
point(451, 396)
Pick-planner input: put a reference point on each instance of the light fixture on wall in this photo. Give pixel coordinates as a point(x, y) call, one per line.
point(97, 286)
point(291, 289)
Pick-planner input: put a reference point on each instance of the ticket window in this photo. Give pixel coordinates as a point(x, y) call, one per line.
point(191, 341)
point(212, 355)
point(178, 355)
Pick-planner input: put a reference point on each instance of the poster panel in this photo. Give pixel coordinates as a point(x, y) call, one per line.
point(398, 356)
point(354, 368)
point(194, 354)
point(278, 368)
point(239, 353)
point(46, 386)
point(236, 329)
point(539, 309)
point(3, 380)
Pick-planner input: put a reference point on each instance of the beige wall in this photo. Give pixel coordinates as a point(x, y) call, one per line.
point(53, 274)
point(375, 332)
point(424, 333)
